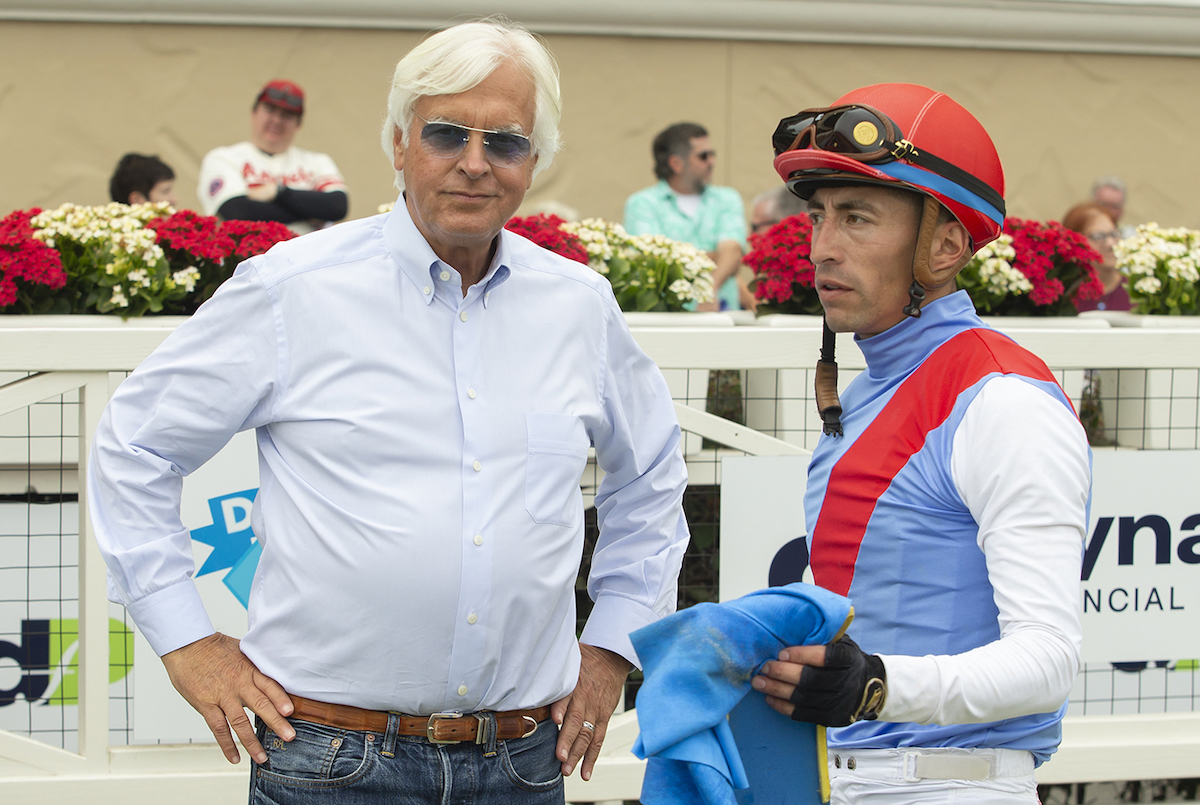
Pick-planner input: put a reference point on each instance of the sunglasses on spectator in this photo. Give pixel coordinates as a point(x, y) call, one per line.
point(281, 97)
point(867, 135)
point(503, 149)
point(1100, 237)
point(705, 156)
point(762, 226)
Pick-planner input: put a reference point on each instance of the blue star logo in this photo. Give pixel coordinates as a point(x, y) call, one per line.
point(232, 539)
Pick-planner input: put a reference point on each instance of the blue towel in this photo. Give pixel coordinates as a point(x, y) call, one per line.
point(698, 664)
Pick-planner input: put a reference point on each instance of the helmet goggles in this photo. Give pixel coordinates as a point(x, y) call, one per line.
point(865, 134)
point(857, 131)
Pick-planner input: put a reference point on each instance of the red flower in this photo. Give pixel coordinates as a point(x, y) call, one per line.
point(1058, 262)
point(212, 247)
point(24, 258)
point(196, 236)
point(544, 230)
point(784, 272)
point(249, 238)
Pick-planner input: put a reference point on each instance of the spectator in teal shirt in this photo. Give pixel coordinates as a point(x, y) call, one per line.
point(684, 206)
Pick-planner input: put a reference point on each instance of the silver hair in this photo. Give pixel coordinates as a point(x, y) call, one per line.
point(1114, 182)
point(459, 59)
point(783, 202)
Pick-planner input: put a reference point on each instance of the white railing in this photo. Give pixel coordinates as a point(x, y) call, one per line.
point(83, 354)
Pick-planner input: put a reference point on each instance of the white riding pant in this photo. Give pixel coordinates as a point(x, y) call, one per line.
point(931, 776)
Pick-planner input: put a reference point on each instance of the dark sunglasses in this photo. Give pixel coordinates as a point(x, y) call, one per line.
point(867, 135)
point(503, 149)
point(279, 96)
point(705, 156)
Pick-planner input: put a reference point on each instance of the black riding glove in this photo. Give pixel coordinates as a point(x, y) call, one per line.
point(852, 686)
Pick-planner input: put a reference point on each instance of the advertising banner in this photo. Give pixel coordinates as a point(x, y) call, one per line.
point(1140, 580)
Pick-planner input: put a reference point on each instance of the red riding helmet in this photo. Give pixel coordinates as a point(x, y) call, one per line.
point(898, 134)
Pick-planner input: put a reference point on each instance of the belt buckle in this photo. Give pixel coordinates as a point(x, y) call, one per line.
point(430, 727)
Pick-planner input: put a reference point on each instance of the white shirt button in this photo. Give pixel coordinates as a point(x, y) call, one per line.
point(477, 466)
point(479, 539)
point(463, 315)
point(471, 618)
point(462, 690)
point(471, 393)
point(445, 275)
point(428, 289)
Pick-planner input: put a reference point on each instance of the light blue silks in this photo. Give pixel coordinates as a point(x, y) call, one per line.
point(698, 664)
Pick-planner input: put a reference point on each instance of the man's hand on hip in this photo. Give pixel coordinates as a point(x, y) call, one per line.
point(219, 681)
point(583, 716)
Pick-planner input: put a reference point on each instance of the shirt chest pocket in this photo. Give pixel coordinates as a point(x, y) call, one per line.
point(558, 449)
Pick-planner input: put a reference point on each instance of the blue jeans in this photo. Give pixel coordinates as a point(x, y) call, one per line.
point(331, 765)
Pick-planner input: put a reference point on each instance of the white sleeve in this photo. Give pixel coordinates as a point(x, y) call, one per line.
point(220, 179)
point(326, 176)
point(1022, 465)
point(212, 377)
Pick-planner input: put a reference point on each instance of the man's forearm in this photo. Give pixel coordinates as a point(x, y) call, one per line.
point(314, 204)
point(728, 257)
point(244, 208)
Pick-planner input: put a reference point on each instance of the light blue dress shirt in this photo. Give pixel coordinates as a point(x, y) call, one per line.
point(419, 459)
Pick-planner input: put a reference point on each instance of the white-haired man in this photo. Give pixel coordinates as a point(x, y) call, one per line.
point(425, 388)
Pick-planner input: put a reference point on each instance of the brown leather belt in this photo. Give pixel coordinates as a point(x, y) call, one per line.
point(439, 728)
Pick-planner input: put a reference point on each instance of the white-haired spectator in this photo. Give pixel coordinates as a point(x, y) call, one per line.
point(772, 206)
point(1110, 194)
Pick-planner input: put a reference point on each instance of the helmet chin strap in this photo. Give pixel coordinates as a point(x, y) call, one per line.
point(922, 275)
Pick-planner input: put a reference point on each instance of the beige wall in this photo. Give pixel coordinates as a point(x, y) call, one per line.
point(75, 96)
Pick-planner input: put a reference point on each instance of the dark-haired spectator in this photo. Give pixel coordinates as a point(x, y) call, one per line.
point(267, 178)
point(1093, 222)
point(139, 179)
point(685, 206)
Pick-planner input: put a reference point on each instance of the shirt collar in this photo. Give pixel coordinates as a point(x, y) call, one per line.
point(423, 267)
point(902, 347)
point(665, 191)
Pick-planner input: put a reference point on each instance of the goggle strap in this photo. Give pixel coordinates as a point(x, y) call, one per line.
point(957, 175)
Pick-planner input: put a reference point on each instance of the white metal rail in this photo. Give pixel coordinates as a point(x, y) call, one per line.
point(79, 353)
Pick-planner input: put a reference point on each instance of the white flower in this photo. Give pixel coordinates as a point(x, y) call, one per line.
point(651, 259)
point(1148, 285)
point(994, 266)
point(118, 297)
point(187, 277)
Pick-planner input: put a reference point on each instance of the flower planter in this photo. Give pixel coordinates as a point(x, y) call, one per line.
point(688, 386)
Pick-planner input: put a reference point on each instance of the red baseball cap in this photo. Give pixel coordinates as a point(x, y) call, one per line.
point(282, 94)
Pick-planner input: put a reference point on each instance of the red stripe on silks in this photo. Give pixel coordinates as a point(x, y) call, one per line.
point(919, 405)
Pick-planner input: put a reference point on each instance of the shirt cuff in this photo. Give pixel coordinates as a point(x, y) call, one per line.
point(914, 688)
point(172, 617)
point(613, 619)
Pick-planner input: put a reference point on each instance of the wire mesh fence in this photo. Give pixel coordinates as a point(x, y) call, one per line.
point(1147, 409)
